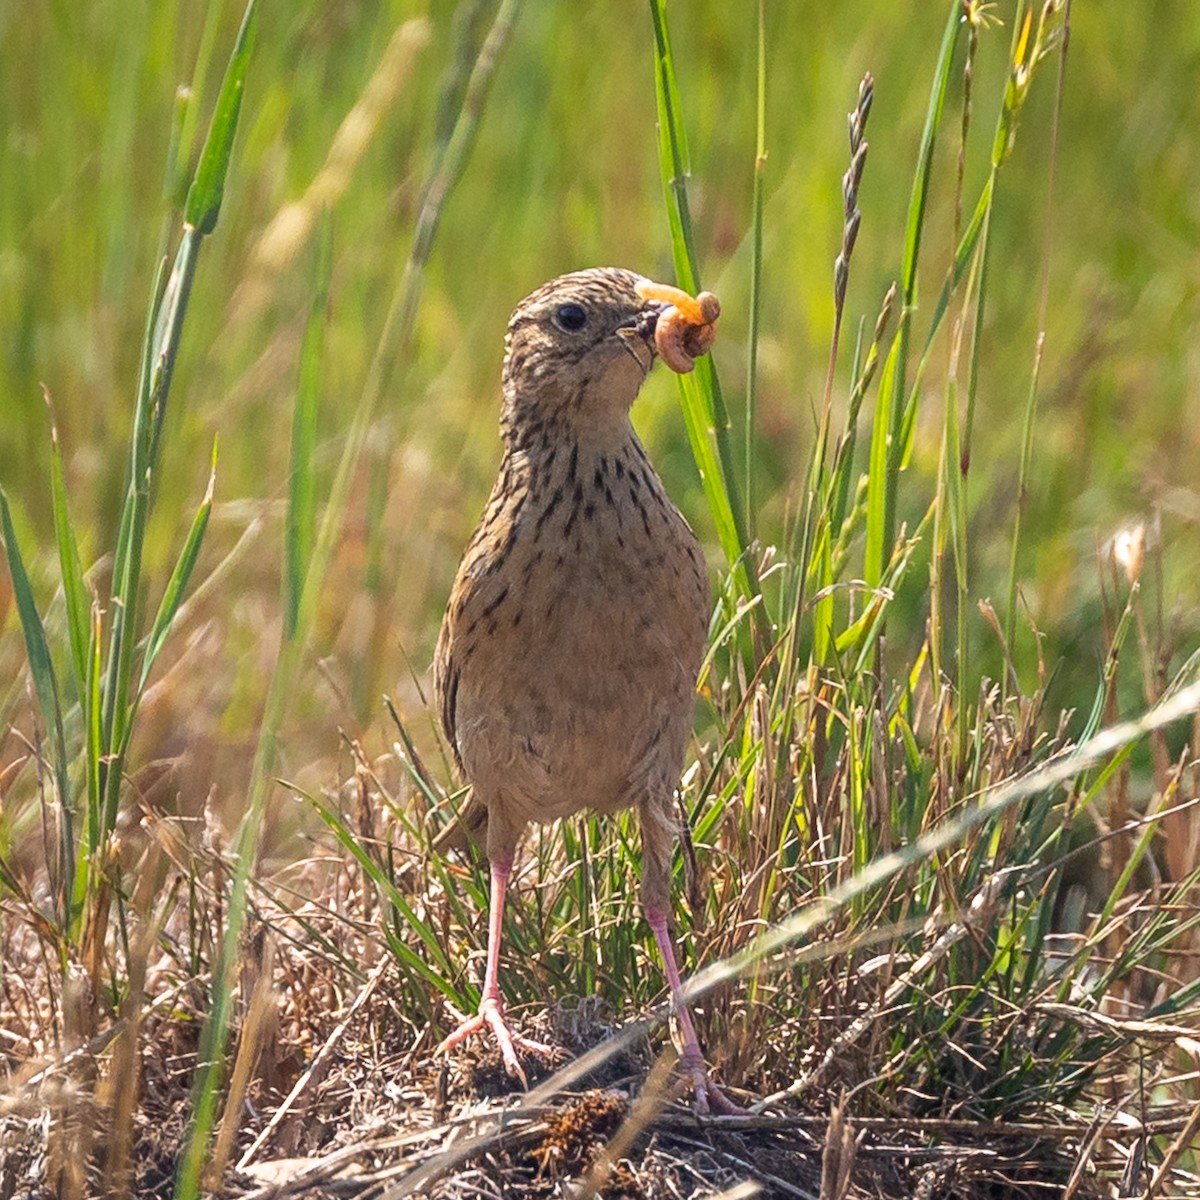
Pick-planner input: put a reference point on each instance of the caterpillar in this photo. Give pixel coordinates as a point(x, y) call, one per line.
point(686, 328)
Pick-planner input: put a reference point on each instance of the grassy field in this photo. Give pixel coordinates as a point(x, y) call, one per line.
point(942, 794)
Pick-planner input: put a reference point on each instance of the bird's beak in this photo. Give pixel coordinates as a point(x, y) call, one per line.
point(637, 333)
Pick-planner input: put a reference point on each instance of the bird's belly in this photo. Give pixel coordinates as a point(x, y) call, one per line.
point(585, 699)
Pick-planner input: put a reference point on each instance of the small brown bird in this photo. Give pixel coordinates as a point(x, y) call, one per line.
point(567, 662)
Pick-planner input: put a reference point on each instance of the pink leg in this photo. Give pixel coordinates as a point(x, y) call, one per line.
point(491, 1013)
point(708, 1097)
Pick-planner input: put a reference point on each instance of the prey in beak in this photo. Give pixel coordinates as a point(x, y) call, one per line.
point(673, 324)
point(686, 326)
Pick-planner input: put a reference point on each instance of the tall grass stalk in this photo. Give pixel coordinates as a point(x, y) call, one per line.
point(823, 506)
point(950, 498)
point(201, 210)
point(887, 439)
point(105, 684)
point(1179, 705)
point(300, 529)
point(704, 410)
point(1030, 44)
point(1029, 420)
point(757, 201)
point(450, 161)
point(46, 688)
point(775, 952)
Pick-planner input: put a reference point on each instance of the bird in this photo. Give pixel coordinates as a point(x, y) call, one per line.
point(567, 662)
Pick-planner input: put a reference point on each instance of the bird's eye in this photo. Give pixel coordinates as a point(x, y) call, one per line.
point(570, 317)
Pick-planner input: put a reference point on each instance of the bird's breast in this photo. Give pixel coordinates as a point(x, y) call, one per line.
point(577, 628)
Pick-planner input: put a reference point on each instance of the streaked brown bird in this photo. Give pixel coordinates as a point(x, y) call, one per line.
point(567, 662)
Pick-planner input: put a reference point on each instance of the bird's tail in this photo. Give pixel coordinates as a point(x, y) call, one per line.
point(467, 830)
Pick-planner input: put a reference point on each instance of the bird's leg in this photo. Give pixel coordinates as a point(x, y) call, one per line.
point(708, 1097)
point(658, 838)
point(491, 1013)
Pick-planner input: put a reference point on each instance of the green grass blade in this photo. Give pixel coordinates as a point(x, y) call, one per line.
point(165, 328)
point(189, 104)
point(45, 684)
point(120, 603)
point(877, 508)
point(425, 932)
point(708, 467)
point(301, 510)
point(962, 257)
point(142, 422)
point(1179, 1001)
point(757, 202)
point(95, 743)
point(168, 328)
point(167, 332)
point(204, 197)
point(915, 221)
point(673, 162)
point(886, 442)
point(703, 403)
point(37, 649)
point(75, 592)
point(822, 584)
point(177, 585)
point(393, 339)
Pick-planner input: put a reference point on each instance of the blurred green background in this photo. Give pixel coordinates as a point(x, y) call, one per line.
point(563, 175)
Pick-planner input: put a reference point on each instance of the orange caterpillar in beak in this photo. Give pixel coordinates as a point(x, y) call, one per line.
point(687, 328)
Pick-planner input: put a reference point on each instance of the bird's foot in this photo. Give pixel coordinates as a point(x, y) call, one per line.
point(707, 1098)
point(491, 1015)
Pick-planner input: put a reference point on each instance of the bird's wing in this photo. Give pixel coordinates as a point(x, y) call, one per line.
point(445, 684)
point(467, 829)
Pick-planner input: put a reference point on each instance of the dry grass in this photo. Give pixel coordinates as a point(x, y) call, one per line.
point(936, 1089)
point(951, 1000)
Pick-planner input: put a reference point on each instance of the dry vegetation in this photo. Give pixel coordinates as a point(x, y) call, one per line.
point(939, 887)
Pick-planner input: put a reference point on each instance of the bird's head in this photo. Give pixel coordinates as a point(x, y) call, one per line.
point(579, 348)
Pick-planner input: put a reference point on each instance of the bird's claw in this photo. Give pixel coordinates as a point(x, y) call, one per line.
point(707, 1098)
point(491, 1015)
